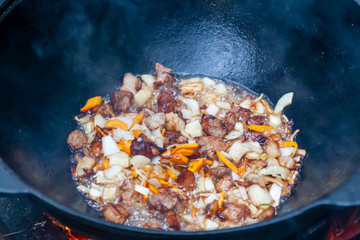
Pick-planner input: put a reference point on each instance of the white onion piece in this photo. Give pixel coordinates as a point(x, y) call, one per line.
point(201, 182)
point(275, 193)
point(240, 127)
point(243, 193)
point(287, 151)
point(142, 96)
point(210, 198)
point(127, 120)
point(99, 120)
point(276, 170)
point(193, 105)
point(220, 89)
point(210, 225)
point(119, 159)
point(235, 176)
point(245, 104)
point(212, 109)
point(194, 129)
point(209, 185)
point(94, 193)
point(157, 133)
point(111, 172)
point(285, 100)
point(237, 150)
point(109, 194)
point(258, 195)
point(139, 161)
point(208, 82)
point(148, 79)
point(199, 203)
point(275, 120)
point(188, 218)
point(89, 127)
point(186, 114)
point(83, 189)
point(159, 142)
point(109, 146)
point(259, 108)
point(223, 105)
point(142, 190)
point(118, 134)
point(233, 135)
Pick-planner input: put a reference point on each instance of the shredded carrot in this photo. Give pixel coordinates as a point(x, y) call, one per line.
point(259, 128)
point(171, 174)
point(193, 212)
point(221, 199)
point(164, 183)
point(92, 102)
point(126, 147)
point(290, 144)
point(116, 123)
point(138, 119)
point(187, 146)
point(242, 169)
point(227, 161)
point(137, 133)
point(152, 188)
point(145, 168)
point(121, 144)
point(96, 166)
point(135, 174)
point(179, 159)
point(105, 163)
point(207, 174)
point(183, 151)
point(163, 131)
point(166, 154)
point(145, 197)
point(266, 105)
point(208, 162)
point(195, 166)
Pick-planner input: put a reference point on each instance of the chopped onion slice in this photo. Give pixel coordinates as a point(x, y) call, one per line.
point(212, 109)
point(285, 100)
point(194, 129)
point(210, 198)
point(186, 114)
point(121, 134)
point(210, 225)
point(109, 146)
point(193, 105)
point(142, 190)
point(99, 120)
point(111, 172)
point(139, 161)
point(275, 193)
point(276, 170)
point(258, 195)
point(287, 151)
point(119, 159)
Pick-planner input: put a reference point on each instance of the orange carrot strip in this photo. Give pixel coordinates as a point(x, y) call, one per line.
point(266, 105)
point(164, 183)
point(242, 169)
point(127, 147)
point(152, 188)
point(116, 123)
point(145, 197)
point(138, 119)
point(145, 168)
point(171, 174)
point(105, 163)
point(92, 102)
point(134, 174)
point(227, 161)
point(183, 151)
point(221, 199)
point(290, 144)
point(259, 128)
point(163, 131)
point(137, 133)
point(187, 146)
point(208, 162)
point(121, 144)
point(195, 166)
point(180, 159)
point(193, 212)
point(166, 154)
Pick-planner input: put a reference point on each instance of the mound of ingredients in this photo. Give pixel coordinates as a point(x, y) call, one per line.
point(193, 154)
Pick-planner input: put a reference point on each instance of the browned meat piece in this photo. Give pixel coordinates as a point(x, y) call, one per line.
point(208, 145)
point(186, 179)
point(155, 121)
point(76, 139)
point(213, 126)
point(172, 220)
point(180, 207)
point(96, 149)
point(234, 115)
point(153, 224)
point(255, 137)
point(162, 202)
point(173, 137)
point(144, 146)
point(267, 213)
point(106, 111)
point(234, 212)
point(256, 120)
point(219, 172)
point(130, 83)
point(163, 76)
point(211, 209)
point(173, 90)
point(173, 122)
point(116, 213)
point(121, 101)
point(224, 184)
point(129, 198)
point(166, 103)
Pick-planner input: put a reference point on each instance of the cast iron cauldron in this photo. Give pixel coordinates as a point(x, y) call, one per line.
point(56, 54)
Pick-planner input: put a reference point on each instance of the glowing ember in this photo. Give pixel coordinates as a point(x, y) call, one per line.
point(69, 234)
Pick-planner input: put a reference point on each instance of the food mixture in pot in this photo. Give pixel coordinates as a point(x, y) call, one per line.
point(191, 154)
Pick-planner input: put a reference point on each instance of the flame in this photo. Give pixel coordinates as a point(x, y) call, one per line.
point(68, 232)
